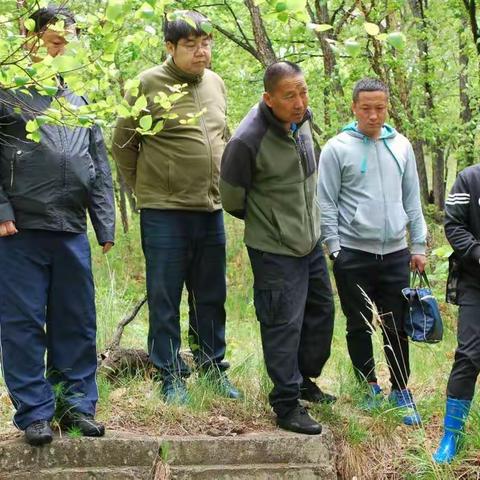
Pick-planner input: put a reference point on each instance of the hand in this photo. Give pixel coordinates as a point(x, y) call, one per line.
point(106, 247)
point(418, 262)
point(7, 229)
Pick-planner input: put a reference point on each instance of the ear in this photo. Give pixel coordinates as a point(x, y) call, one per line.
point(267, 99)
point(354, 109)
point(170, 47)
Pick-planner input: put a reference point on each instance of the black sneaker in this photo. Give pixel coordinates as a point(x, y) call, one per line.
point(84, 422)
point(298, 420)
point(310, 392)
point(39, 433)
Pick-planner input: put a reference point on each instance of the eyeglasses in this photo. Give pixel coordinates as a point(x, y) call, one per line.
point(192, 47)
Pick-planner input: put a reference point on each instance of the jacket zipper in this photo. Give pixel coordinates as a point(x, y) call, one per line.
point(12, 167)
point(303, 163)
point(383, 196)
point(11, 173)
point(207, 138)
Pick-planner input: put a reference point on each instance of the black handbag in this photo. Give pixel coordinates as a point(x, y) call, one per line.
point(423, 322)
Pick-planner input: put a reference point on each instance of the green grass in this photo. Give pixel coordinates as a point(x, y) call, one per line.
point(372, 445)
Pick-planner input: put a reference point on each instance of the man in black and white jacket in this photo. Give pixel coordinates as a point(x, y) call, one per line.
point(462, 228)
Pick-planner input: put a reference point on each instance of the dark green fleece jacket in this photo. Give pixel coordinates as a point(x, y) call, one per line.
point(268, 177)
point(179, 167)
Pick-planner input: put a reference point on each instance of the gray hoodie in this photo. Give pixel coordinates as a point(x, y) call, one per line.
point(368, 193)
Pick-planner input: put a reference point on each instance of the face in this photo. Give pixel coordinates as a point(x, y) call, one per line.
point(289, 99)
point(192, 54)
point(53, 41)
point(370, 110)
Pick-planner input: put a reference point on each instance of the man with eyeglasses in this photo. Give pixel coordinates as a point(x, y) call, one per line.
point(175, 175)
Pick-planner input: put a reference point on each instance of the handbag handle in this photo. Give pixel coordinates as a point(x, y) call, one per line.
point(422, 277)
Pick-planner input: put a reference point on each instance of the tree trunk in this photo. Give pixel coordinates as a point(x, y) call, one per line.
point(264, 46)
point(438, 166)
point(122, 202)
point(421, 169)
point(468, 139)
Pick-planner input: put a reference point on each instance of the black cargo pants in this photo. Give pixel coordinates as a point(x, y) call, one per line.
point(294, 305)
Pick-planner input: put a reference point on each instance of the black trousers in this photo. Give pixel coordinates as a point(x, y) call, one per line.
point(466, 366)
point(363, 278)
point(294, 305)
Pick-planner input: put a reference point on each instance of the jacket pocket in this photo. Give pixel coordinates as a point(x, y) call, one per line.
point(397, 221)
point(294, 229)
point(368, 221)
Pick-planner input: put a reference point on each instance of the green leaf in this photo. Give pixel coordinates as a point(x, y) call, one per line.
point(352, 47)
point(140, 103)
point(280, 7)
point(146, 122)
point(114, 10)
point(31, 126)
point(381, 37)
point(397, 40)
point(146, 11)
point(123, 111)
point(283, 16)
point(30, 24)
point(295, 5)
point(207, 27)
point(20, 81)
point(34, 136)
point(371, 28)
point(158, 127)
point(319, 27)
point(50, 90)
point(42, 119)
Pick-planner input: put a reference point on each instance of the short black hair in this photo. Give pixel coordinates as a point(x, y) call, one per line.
point(44, 17)
point(369, 85)
point(177, 27)
point(277, 71)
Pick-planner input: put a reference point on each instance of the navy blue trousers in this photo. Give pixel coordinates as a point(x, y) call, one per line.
point(294, 305)
point(185, 248)
point(47, 305)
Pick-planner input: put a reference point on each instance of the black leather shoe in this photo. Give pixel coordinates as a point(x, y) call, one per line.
point(84, 422)
point(311, 392)
point(298, 420)
point(39, 433)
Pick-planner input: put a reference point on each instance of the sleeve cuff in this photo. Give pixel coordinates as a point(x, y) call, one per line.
point(475, 253)
point(6, 213)
point(333, 245)
point(418, 249)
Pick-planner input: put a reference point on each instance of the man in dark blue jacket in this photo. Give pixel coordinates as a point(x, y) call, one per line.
point(46, 285)
point(462, 228)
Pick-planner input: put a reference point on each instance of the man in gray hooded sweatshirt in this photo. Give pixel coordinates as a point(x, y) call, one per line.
point(369, 196)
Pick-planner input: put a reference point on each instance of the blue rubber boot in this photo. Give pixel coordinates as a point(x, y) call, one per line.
point(373, 398)
point(403, 400)
point(456, 412)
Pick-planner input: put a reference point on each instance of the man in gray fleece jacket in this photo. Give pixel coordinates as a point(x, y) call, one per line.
point(368, 192)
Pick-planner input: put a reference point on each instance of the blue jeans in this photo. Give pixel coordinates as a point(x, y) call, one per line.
point(47, 305)
point(185, 248)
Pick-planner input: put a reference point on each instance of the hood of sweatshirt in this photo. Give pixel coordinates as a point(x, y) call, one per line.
point(387, 132)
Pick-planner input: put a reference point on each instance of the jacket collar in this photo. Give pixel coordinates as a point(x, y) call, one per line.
point(276, 124)
point(179, 74)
